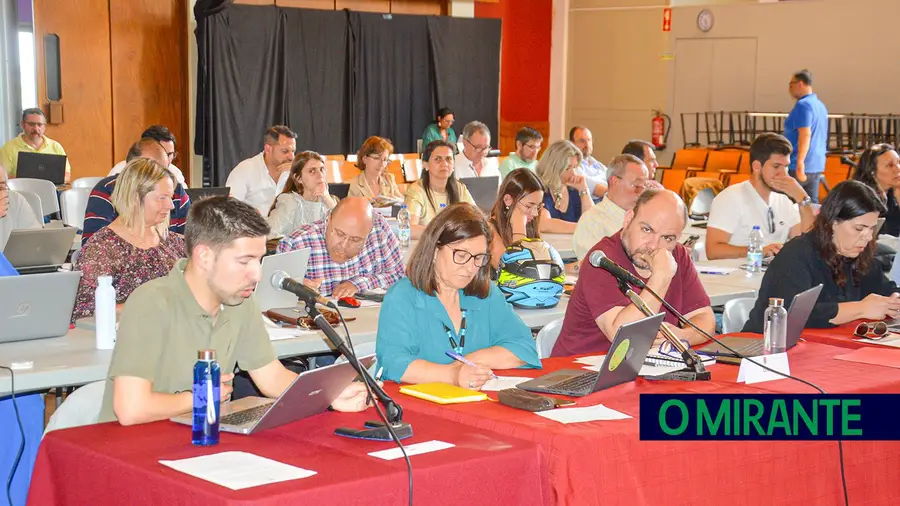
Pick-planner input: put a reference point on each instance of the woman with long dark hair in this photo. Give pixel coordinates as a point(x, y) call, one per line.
point(438, 187)
point(305, 197)
point(440, 130)
point(879, 167)
point(517, 213)
point(838, 252)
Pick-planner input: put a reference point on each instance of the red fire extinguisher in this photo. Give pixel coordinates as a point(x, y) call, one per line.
point(659, 127)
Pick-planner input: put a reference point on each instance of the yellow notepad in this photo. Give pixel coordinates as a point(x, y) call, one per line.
point(443, 393)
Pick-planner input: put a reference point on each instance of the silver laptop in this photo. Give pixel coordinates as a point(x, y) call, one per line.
point(294, 264)
point(43, 249)
point(483, 189)
point(37, 306)
point(310, 393)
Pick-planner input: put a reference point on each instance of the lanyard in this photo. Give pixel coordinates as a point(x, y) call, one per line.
point(458, 348)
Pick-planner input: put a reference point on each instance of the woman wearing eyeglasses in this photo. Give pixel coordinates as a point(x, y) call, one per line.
point(447, 303)
point(838, 253)
point(567, 195)
point(305, 198)
point(879, 167)
point(438, 187)
point(374, 181)
point(440, 130)
point(517, 213)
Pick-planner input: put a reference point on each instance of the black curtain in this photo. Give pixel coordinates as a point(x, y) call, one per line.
point(334, 77)
point(466, 58)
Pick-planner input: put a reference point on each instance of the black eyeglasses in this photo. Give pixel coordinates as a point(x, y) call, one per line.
point(770, 216)
point(462, 257)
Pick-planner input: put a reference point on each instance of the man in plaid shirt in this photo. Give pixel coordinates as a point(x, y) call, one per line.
point(353, 250)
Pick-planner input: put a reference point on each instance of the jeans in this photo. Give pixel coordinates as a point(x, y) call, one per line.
point(811, 186)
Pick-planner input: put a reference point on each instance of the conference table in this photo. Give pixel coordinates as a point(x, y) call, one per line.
point(115, 465)
point(605, 462)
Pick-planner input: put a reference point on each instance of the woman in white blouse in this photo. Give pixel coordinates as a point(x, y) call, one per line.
point(305, 197)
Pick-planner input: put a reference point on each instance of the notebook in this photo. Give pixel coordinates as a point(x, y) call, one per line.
point(443, 393)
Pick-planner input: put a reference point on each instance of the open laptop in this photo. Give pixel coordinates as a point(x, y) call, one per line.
point(483, 190)
point(42, 166)
point(37, 306)
point(294, 264)
point(39, 249)
point(798, 314)
point(309, 394)
point(339, 190)
point(622, 364)
point(196, 194)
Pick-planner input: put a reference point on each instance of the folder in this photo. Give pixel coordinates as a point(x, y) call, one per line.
point(442, 393)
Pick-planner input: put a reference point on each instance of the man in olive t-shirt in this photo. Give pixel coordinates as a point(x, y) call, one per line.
point(202, 304)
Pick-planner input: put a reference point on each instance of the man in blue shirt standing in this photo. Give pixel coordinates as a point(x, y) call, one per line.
point(806, 127)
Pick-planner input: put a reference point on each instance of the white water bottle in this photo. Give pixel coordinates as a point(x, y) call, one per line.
point(405, 230)
point(105, 313)
point(775, 327)
point(755, 250)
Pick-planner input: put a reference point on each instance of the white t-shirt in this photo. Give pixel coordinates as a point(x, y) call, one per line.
point(176, 172)
point(250, 182)
point(739, 207)
point(20, 216)
point(462, 167)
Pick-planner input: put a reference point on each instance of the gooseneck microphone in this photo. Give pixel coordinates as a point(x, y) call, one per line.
point(281, 281)
point(600, 260)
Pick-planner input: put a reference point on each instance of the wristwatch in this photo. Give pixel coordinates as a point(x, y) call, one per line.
point(582, 193)
point(805, 202)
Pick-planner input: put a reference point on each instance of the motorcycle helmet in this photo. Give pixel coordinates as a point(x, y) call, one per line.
point(532, 274)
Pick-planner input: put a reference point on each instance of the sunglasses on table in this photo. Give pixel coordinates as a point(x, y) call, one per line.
point(874, 330)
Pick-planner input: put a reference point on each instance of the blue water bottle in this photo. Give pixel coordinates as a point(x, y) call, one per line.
point(206, 399)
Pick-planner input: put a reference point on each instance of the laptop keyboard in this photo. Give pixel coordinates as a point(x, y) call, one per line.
point(582, 383)
point(250, 415)
point(753, 349)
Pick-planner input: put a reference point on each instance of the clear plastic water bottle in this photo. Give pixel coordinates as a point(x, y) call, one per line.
point(775, 327)
point(755, 250)
point(207, 379)
point(105, 313)
point(405, 230)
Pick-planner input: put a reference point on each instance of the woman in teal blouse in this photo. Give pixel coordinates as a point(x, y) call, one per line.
point(442, 130)
point(448, 303)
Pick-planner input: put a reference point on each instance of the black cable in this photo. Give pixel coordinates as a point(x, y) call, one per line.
point(750, 359)
point(381, 414)
point(12, 472)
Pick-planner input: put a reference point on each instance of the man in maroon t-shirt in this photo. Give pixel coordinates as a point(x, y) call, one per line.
point(646, 246)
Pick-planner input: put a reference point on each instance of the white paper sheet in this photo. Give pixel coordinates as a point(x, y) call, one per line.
point(502, 383)
point(279, 333)
point(592, 360)
point(892, 340)
point(712, 269)
point(751, 373)
point(588, 414)
point(238, 470)
point(415, 449)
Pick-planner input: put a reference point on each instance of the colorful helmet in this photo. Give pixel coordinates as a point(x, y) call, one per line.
point(532, 274)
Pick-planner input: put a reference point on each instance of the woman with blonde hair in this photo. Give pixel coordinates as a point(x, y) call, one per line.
point(374, 182)
point(137, 246)
point(305, 197)
point(567, 196)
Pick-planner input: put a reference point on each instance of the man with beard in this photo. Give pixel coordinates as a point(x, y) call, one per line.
point(32, 139)
point(201, 304)
point(770, 199)
point(258, 180)
point(648, 247)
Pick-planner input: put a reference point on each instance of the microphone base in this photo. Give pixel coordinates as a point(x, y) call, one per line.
point(377, 431)
point(681, 375)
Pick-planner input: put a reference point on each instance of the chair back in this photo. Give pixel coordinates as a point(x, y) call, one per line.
point(547, 337)
point(35, 203)
point(702, 202)
point(44, 189)
point(412, 170)
point(86, 182)
point(74, 204)
point(736, 314)
point(81, 407)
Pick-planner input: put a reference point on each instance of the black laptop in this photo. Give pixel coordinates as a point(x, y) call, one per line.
point(622, 364)
point(196, 194)
point(42, 166)
point(798, 314)
point(339, 190)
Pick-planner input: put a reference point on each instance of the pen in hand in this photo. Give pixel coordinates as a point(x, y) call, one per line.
point(464, 360)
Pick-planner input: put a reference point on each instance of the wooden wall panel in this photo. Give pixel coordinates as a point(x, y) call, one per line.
point(86, 130)
point(427, 7)
point(149, 77)
point(364, 5)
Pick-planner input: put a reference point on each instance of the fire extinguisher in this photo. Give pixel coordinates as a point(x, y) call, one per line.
point(659, 127)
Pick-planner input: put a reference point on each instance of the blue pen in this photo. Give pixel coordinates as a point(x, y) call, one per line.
point(464, 360)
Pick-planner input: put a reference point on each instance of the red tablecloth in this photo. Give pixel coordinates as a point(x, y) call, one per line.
point(605, 463)
point(111, 464)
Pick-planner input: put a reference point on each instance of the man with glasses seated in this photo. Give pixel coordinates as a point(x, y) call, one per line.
point(770, 199)
point(166, 139)
point(627, 180)
point(32, 139)
point(473, 160)
point(353, 250)
point(647, 247)
point(593, 171)
point(528, 145)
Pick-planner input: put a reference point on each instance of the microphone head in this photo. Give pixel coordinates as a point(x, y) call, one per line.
point(597, 257)
point(278, 278)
